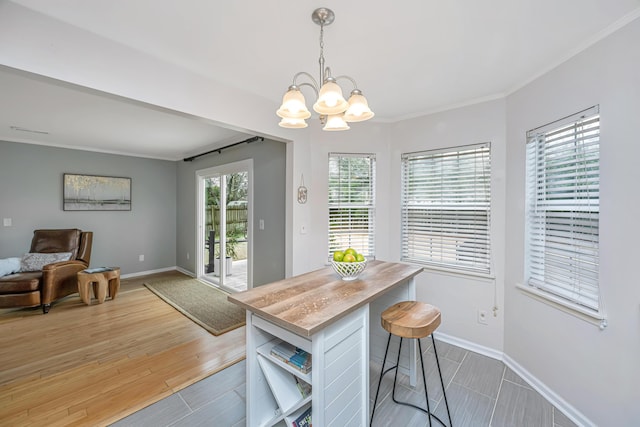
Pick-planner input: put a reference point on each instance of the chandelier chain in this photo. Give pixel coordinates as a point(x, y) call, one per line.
point(321, 59)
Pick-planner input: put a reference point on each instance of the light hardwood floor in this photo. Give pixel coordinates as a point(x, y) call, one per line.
point(82, 365)
point(92, 365)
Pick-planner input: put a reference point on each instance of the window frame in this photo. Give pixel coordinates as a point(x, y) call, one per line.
point(350, 233)
point(563, 152)
point(460, 204)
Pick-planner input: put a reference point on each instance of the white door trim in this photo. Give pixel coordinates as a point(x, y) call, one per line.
point(240, 166)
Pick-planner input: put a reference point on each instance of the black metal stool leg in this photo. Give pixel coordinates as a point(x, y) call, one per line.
point(395, 378)
point(444, 393)
point(382, 372)
point(426, 391)
point(424, 381)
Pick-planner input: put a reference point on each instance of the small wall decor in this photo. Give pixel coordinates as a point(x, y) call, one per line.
point(96, 193)
point(302, 191)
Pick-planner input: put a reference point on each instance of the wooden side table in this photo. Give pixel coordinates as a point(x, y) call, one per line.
point(101, 281)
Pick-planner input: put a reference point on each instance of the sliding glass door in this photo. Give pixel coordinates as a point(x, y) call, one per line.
point(224, 225)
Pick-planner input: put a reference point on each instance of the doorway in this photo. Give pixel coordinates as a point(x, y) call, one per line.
point(224, 225)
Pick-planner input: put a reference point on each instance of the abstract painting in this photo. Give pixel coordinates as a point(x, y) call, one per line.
point(96, 193)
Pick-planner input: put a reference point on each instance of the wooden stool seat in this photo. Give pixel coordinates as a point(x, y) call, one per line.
point(411, 319)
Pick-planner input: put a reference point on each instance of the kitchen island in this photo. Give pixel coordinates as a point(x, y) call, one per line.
point(337, 322)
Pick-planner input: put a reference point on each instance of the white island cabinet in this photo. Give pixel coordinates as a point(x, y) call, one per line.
point(338, 323)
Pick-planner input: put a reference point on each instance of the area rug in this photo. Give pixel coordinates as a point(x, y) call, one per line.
point(204, 304)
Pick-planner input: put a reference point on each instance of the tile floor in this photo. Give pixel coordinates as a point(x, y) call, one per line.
point(237, 281)
point(481, 392)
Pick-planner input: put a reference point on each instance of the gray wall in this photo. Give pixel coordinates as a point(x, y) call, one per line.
point(269, 180)
point(31, 195)
point(160, 225)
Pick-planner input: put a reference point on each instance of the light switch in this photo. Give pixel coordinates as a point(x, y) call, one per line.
point(261, 224)
point(7, 222)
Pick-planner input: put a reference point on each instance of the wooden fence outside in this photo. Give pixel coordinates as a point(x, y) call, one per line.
point(236, 218)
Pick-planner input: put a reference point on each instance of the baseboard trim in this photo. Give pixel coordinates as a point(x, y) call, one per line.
point(562, 405)
point(187, 272)
point(552, 397)
point(144, 273)
point(471, 346)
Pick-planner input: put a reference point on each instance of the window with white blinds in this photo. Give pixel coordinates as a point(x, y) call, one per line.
point(446, 208)
point(563, 208)
point(352, 203)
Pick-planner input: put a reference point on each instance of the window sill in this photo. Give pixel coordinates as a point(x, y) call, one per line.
point(455, 273)
point(597, 319)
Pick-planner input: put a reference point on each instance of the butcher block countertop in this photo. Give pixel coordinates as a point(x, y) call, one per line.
point(310, 302)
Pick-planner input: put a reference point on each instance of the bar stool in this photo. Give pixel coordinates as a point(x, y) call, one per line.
point(411, 320)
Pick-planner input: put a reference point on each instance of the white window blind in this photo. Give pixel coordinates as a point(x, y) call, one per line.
point(446, 200)
point(563, 208)
point(352, 203)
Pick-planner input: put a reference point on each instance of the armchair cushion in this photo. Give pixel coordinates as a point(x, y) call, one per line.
point(21, 283)
point(36, 261)
point(53, 241)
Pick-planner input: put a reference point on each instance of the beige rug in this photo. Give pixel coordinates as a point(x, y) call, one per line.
point(204, 304)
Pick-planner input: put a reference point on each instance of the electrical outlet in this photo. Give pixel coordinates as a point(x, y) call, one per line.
point(483, 317)
point(141, 258)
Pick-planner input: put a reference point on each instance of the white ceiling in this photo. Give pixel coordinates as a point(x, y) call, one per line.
point(76, 117)
point(419, 57)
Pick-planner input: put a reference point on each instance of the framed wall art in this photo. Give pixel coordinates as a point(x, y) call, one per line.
point(96, 193)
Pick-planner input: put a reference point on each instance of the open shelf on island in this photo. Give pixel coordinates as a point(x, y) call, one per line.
point(265, 351)
point(284, 387)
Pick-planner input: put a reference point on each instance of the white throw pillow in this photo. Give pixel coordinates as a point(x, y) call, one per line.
point(9, 266)
point(35, 261)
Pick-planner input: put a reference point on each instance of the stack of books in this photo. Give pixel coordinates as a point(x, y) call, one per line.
point(303, 387)
point(303, 420)
point(97, 270)
point(293, 356)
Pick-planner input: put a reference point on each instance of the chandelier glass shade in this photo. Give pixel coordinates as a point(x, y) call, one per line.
point(335, 122)
point(334, 110)
point(293, 105)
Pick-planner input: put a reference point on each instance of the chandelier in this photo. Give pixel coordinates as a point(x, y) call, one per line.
point(335, 112)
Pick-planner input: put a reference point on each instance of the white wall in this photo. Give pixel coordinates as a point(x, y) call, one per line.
point(460, 297)
point(312, 248)
point(597, 372)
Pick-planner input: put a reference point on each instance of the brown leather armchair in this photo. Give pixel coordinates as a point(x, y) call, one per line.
point(57, 280)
